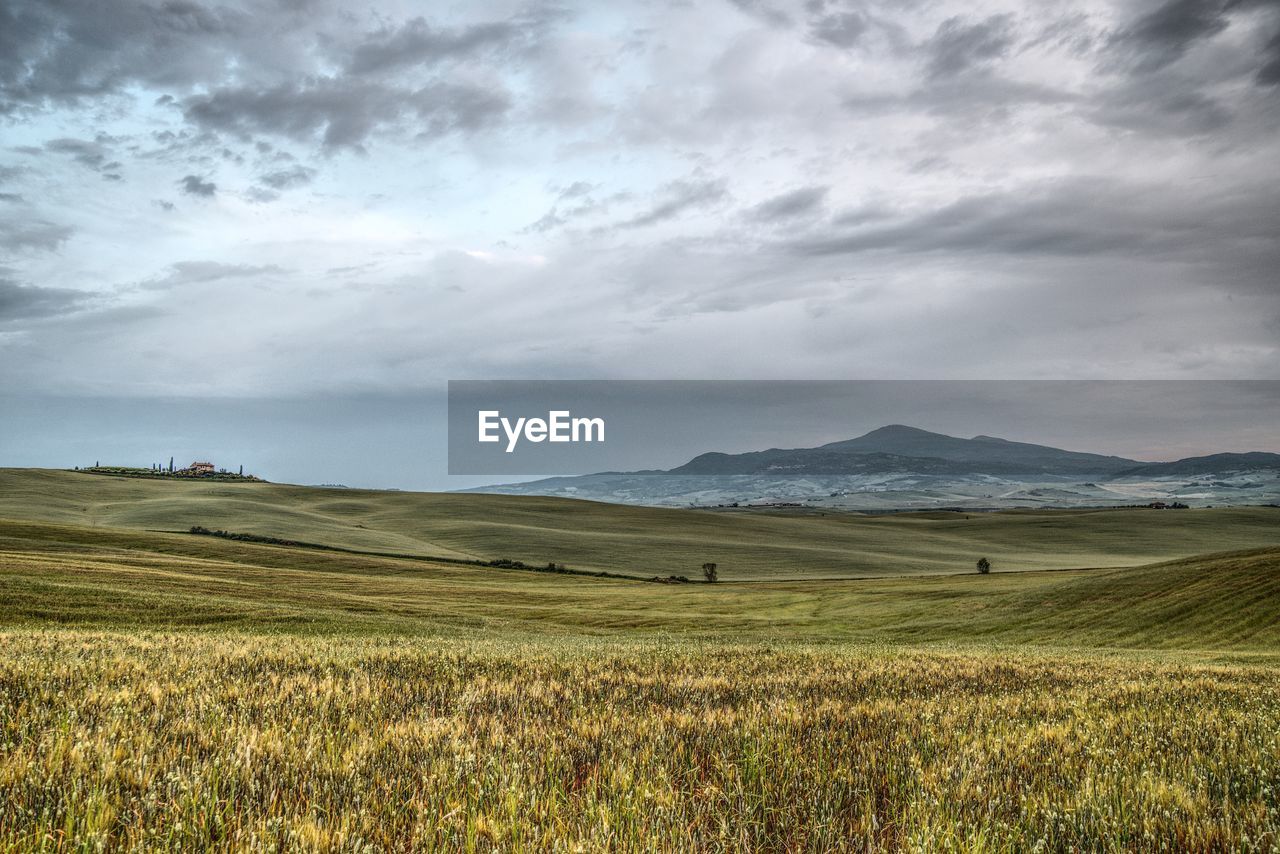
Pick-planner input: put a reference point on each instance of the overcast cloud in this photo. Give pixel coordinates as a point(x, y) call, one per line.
point(285, 199)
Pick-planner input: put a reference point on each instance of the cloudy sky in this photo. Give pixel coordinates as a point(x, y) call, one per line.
point(299, 199)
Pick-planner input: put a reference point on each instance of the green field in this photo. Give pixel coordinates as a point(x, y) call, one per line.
point(57, 575)
point(640, 541)
point(165, 691)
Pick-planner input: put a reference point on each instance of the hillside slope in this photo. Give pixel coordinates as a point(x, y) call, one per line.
point(75, 576)
point(638, 540)
point(1211, 464)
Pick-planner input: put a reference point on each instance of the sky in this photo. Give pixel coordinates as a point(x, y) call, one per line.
point(257, 208)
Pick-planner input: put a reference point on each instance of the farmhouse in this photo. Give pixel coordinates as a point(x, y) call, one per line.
point(201, 468)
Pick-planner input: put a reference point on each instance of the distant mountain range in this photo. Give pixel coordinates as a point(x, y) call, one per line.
point(1211, 464)
point(898, 448)
point(897, 467)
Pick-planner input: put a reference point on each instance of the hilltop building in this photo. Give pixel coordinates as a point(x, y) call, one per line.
point(201, 467)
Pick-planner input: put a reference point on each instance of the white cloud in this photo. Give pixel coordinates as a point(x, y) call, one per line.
point(774, 189)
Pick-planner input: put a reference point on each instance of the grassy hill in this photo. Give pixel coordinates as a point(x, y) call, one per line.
point(639, 540)
point(68, 575)
point(178, 692)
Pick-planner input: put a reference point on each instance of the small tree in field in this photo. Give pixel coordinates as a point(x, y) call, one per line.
point(709, 573)
point(984, 565)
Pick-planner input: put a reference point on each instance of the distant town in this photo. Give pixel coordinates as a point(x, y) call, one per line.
point(197, 470)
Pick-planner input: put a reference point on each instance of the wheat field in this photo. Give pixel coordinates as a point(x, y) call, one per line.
point(190, 742)
point(168, 692)
point(638, 541)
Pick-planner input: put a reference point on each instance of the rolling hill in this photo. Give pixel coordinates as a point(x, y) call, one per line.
point(1210, 464)
point(199, 691)
point(92, 577)
point(638, 541)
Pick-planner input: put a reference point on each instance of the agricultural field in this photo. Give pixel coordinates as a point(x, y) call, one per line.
point(639, 541)
point(192, 741)
point(163, 691)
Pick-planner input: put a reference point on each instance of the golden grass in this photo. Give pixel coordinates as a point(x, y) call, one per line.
point(170, 692)
point(242, 742)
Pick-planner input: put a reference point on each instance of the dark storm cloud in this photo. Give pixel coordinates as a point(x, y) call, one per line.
point(1161, 106)
point(343, 113)
point(959, 45)
point(1017, 224)
point(417, 42)
point(92, 154)
point(299, 72)
point(1269, 73)
point(1154, 90)
point(1163, 35)
point(1160, 37)
point(1232, 233)
point(71, 49)
point(679, 197)
point(789, 205)
point(194, 185)
point(25, 301)
point(446, 107)
point(85, 152)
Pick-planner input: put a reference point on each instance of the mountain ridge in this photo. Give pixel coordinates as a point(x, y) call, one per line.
point(1004, 474)
point(1206, 464)
point(899, 447)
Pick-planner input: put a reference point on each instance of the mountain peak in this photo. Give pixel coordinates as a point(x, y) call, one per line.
point(903, 430)
point(982, 453)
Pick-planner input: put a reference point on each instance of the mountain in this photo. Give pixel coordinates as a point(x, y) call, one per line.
point(817, 461)
point(898, 448)
point(911, 441)
point(899, 467)
point(1211, 464)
